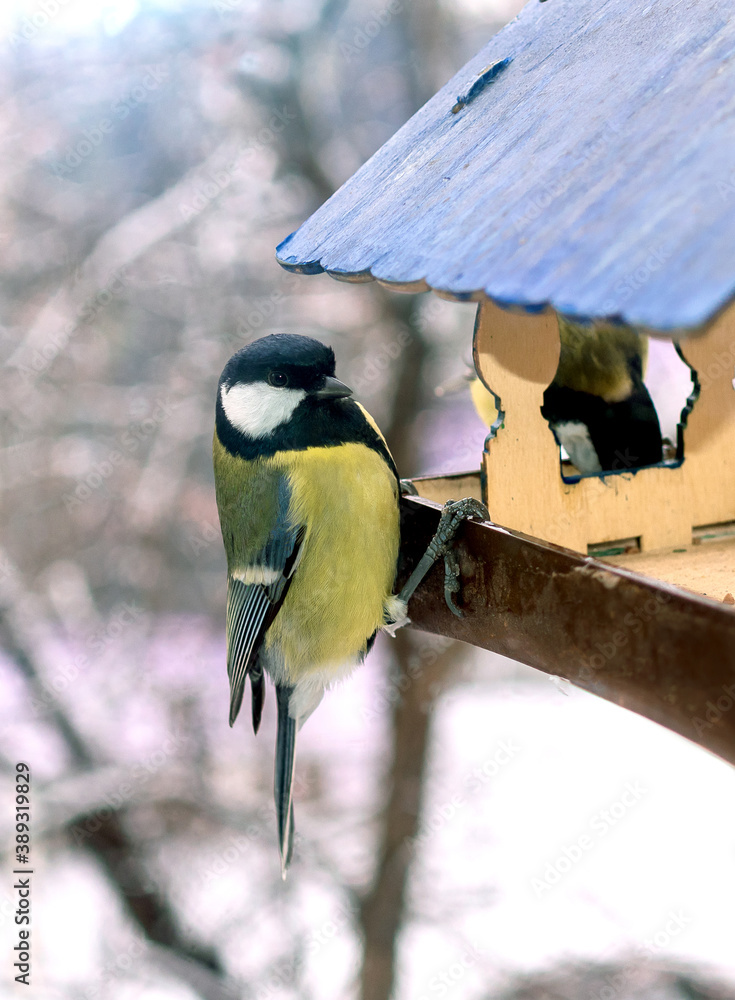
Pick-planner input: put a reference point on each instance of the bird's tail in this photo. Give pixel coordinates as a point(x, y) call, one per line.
point(283, 782)
point(237, 690)
point(257, 687)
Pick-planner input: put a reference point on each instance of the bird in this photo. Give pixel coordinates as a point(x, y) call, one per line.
point(597, 406)
point(308, 500)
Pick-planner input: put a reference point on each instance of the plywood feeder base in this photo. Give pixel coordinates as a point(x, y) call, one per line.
point(706, 567)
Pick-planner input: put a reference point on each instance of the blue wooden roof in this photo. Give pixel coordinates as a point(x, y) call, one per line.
point(584, 158)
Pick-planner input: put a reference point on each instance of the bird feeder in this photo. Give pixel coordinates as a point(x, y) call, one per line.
point(581, 164)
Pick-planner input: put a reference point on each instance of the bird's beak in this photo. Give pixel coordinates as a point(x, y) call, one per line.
point(332, 389)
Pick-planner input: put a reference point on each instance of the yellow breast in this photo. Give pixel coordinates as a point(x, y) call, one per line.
point(348, 499)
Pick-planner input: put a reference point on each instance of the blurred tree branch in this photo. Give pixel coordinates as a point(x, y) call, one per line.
point(383, 909)
point(186, 270)
point(105, 837)
point(118, 248)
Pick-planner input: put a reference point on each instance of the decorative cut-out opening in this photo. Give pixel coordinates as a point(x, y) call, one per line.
point(619, 547)
point(722, 532)
point(619, 402)
point(693, 389)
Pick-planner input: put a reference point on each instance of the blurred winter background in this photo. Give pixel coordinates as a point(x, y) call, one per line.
point(466, 829)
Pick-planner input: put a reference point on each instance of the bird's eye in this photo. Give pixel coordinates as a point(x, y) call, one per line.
point(278, 379)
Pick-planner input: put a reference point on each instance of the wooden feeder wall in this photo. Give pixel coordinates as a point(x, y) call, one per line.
point(664, 510)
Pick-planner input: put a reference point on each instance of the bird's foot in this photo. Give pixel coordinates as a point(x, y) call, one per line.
point(452, 516)
point(395, 615)
point(451, 581)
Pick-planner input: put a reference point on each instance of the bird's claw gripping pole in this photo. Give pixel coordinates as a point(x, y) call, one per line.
point(451, 581)
point(453, 514)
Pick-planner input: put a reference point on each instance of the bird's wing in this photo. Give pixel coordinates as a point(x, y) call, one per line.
point(255, 592)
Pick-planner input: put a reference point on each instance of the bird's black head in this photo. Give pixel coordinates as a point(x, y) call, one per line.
point(275, 390)
point(283, 361)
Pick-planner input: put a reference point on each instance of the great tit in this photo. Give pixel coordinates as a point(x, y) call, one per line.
point(597, 406)
point(308, 495)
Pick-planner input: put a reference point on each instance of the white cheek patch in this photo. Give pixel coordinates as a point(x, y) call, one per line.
point(256, 408)
point(574, 436)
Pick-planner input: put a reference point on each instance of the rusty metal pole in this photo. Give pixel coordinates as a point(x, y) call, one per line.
point(664, 653)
